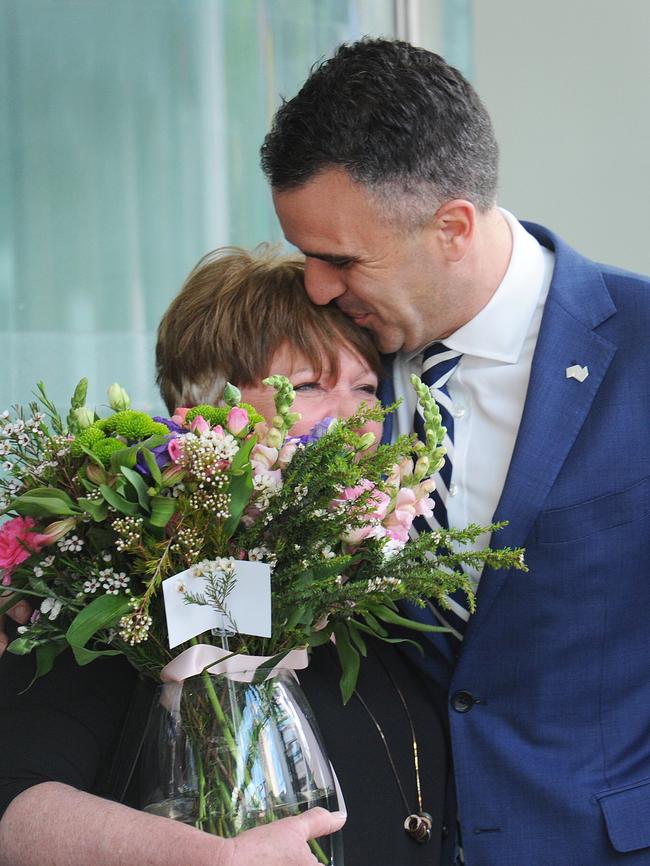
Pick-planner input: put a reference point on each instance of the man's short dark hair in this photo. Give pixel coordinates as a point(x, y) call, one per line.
point(398, 119)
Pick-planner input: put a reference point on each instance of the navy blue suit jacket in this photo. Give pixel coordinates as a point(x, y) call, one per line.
point(551, 743)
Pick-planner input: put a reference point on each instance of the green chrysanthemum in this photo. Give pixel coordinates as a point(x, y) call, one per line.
point(212, 414)
point(88, 437)
point(105, 448)
point(132, 425)
point(219, 414)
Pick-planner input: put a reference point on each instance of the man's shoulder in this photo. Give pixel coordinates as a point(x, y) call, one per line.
point(567, 254)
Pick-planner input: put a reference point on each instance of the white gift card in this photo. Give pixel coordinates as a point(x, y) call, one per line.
point(248, 604)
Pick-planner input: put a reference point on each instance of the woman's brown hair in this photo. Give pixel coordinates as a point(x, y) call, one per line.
point(234, 311)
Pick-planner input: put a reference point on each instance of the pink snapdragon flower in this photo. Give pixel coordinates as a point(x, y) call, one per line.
point(402, 516)
point(410, 502)
point(287, 453)
point(17, 543)
point(377, 502)
point(263, 458)
point(237, 420)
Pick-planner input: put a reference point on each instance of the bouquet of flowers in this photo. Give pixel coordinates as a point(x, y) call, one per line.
point(105, 509)
point(113, 521)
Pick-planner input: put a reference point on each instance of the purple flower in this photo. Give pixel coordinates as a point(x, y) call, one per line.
point(160, 452)
point(171, 425)
point(317, 431)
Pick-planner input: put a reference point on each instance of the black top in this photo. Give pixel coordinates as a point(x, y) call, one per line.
point(66, 728)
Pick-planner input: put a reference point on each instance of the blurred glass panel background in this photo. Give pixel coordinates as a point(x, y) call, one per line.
point(129, 141)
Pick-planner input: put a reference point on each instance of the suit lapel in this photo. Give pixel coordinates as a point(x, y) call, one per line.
point(556, 407)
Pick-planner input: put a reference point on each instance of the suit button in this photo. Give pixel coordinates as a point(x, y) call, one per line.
point(462, 701)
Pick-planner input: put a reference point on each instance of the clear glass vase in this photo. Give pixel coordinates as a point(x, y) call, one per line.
point(227, 756)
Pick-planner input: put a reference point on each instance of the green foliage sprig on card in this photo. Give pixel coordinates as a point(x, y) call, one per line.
point(102, 510)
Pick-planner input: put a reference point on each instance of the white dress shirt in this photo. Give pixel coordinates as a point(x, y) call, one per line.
point(488, 387)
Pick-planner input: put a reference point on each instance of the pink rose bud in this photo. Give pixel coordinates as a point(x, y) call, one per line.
point(96, 474)
point(199, 425)
point(173, 473)
point(237, 420)
point(56, 530)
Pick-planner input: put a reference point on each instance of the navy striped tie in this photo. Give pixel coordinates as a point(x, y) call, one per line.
point(438, 365)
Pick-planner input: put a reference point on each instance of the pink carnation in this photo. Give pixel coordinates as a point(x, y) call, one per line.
point(17, 543)
point(174, 449)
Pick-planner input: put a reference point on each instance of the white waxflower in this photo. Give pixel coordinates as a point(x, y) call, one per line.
point(51, 607)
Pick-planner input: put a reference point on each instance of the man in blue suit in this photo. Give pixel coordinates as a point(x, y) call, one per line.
point(384, 173)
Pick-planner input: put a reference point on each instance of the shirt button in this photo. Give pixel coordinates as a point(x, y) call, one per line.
point(453, 489)
point(459, 411)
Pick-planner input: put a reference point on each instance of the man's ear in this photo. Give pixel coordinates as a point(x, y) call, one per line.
point(453, 224)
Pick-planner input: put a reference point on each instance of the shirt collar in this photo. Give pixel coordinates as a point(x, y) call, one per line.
point(498, 331)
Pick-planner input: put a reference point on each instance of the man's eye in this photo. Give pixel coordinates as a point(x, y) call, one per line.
point(340, 264)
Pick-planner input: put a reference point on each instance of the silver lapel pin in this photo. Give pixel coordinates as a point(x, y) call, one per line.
point(577, 372)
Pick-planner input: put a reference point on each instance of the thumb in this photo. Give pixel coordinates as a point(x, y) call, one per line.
point(319, 822)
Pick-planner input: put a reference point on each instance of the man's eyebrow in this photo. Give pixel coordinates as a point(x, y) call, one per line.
point(340, 259)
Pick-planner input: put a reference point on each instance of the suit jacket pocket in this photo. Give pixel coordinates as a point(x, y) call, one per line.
point(627, 815)
point(596, 515)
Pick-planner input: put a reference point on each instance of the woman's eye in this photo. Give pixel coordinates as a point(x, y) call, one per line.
point(306, 386)
point(368, 389)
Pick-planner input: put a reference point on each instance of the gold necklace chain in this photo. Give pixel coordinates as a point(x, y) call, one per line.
point(417, 824)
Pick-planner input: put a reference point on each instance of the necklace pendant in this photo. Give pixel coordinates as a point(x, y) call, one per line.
point(418, 826)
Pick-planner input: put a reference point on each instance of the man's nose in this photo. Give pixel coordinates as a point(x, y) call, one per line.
point(323, 282)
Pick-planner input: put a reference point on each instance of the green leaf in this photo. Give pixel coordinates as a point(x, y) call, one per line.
point(39, 585)
point(356, 638)
point(124, 457)
point(262, 672)
point(118, 502)
point(240, 488)
point(91, 454)
point(44, 502)
point(387, 615)
point(242, 457)
point(102, 613)
point(320, 637)
point(46, 655)
point(139, 485)
point(97, 510)
point(163, 509)
point(330, 568)
point(152, 466)
point(84, 656)
point(301, 614)
point(349, 660)
point(23, 645)
point(373, 623)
